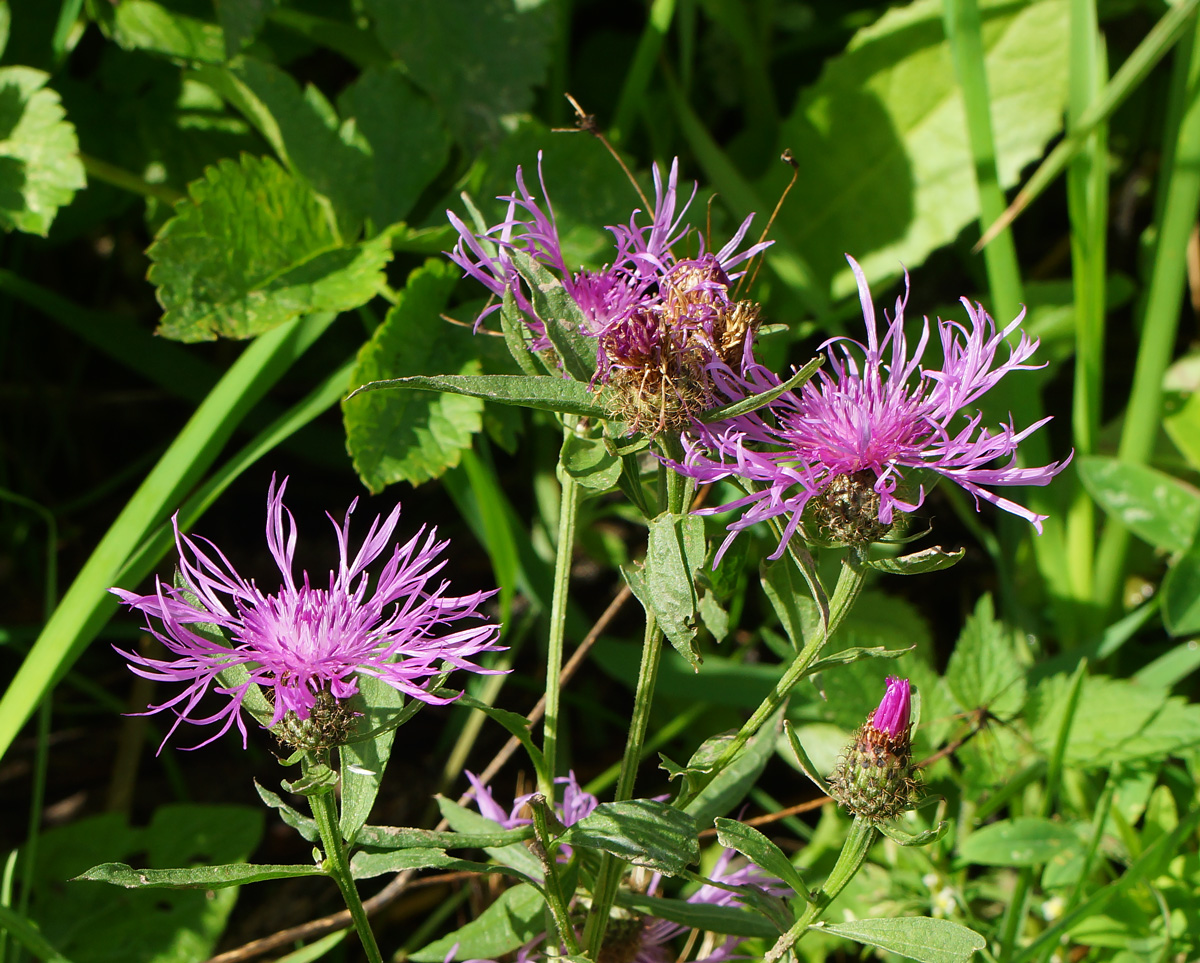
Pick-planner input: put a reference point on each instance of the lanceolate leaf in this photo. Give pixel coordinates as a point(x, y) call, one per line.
point(918, 563)
point(701, 916)
point(758, 848)
point(514, 919)
point(641, 831)
point(764, 398)
point(544, 391)
point(251, 247)
point(917, 938)
point(195, 877)
point(1153, 505)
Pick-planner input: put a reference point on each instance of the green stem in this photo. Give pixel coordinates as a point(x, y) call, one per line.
point(854, 852)
point(1178, 200)
point(119, 177)
point(337, 865)
point(553, 892)
point(850, 583)
point(568, 516)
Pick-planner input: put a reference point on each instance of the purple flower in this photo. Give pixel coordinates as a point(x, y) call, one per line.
point(572, 807)
point(307, 645)
point(892, 716)
point(845, 438)
point(662, 324)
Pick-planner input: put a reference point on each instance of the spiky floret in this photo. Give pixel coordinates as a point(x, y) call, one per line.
point(874, 777)
point(664, 325)
point(869, 415)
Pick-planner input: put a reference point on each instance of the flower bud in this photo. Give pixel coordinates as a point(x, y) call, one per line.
point(874, 778)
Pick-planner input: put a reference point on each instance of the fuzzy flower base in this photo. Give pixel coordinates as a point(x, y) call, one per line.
point(307, 646)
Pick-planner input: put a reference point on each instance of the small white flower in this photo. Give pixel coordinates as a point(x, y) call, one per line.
point(1053, 908)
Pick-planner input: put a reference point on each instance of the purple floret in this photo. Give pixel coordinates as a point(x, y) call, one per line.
point(304, 643)
point(871, 413)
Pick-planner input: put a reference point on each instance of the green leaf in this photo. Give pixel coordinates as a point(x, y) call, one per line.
point(639, 831)
point(366, 865)
point(514, 919)
point(701, 916)
point(361, 763)
point(987, 667)
point(241, 20)
point(730, 785)
point(761, 851)
point(40, 170)
point(763, 398)
point(517, 336)
point(856, 653)
point(401, 837)
point(517, 725)
point(563, 318)
point(316, 780)
point(543, 391)
point(463, 820)
point(1182, 424)
point(306, 826)
point(29, 936)
point(914, 839)
point(478, 59)
point(1026, 841)
point(251, 247)
point(781, 583)
point(195, 877)
point(888, 171)
point(666, 585)
point(590, 462)
point(143, 25)
point(402, 135)
point(102, 924)
point(1154, 506)
point(803, 761)
point(1181, 594)
point(918, 563)
point(915, 937)
point(413, 436)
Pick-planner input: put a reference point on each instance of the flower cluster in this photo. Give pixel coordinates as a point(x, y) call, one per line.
point(842, 441)
point(664, 325)
point(307, 646)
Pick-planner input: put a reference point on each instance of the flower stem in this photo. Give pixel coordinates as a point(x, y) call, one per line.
point(568, 516)
point(854, 852)
point(555, 900)
point(850, 583)
point(337, 865)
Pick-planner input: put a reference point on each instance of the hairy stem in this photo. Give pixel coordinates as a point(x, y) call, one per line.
point(337, 865)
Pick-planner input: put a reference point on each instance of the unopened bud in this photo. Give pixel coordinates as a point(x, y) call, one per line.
point(874, 778)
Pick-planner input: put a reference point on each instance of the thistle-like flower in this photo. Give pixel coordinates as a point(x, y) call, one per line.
point(874, 778)
point(843, 441)
point(306, 646)
point(663, 324)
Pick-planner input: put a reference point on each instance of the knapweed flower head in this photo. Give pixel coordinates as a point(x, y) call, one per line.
point(843, 441)
point(307, 646)
point(874, 778)
point(663, 323)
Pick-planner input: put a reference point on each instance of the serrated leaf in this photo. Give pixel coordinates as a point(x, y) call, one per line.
point(40, 170)
point(761, 851)
point(501, 50)
point(987, 665)
point(918, 563)
point(193, 877)
point(888, 172)
point(1026, 841)
point(1181, 594)
point(412, 436)
point(1153, 505)
point(920, 938)
point(251, 247)
point(640, 831)
point(589, 462)
point(511, 921)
